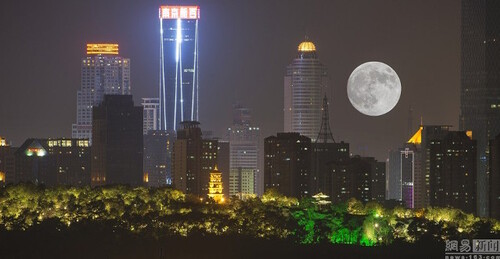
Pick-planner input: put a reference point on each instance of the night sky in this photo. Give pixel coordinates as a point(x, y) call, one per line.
point(245, 47)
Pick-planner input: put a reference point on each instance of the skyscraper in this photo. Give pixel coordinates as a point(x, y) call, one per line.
point(494, 188)
point(480, 82)
point(193, 159)
point(244, 154)
point(287, 162)
point(103, 71)
point(117, 150)
point(157, 157)
point(178, 89)
point(453, 171)
point(151, 118)
point(304, 87)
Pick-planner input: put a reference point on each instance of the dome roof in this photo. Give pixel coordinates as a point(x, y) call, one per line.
point(306, 46)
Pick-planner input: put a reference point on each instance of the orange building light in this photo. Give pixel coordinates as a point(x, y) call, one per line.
point(102, 49)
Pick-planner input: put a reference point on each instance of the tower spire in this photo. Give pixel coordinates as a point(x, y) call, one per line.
point(325, 133)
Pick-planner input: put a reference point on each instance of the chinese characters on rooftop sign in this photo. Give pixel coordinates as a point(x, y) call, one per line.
point(179, 12)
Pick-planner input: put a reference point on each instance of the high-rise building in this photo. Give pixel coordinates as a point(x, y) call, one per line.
point(377, 179)
point(178, 91)
point(151, 118)
point(117, 149)
point(53, 162)
point(158, 146)
point(453, 171)
point(223, 160)
point(393, 177)
point(103, 72)
point(287, 164)
point(193, 159)
point(349, 178)
point(494, 188)
point(480, 83)
point(305, 84)
point(7, 162)
point(244, 154)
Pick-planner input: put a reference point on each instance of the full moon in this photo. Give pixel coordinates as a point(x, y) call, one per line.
point(374, 88)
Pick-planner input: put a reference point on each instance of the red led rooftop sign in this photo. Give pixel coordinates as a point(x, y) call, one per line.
point(179, 12)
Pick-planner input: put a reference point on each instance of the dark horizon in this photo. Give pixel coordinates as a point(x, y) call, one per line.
point(244, 50)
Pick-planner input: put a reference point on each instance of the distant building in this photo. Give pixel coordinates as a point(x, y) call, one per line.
point(117, 150)
point(480, 82)
point(53, 162)
point(178, 88)
point(223, 164)
point(151, 115)
point(157, 164)
point(349, 178)
point(7, 162)
point(287, 164)
point(305, 84)
point(494, 187)
point(103, 72)
point(377, 179)
point(393, 177)
point(453, 171)
point(193, 159)
point(244, 154)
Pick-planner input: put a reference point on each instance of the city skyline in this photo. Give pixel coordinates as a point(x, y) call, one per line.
point(397, 47)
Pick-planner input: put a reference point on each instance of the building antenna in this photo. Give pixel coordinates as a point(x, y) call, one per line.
point(325, 133)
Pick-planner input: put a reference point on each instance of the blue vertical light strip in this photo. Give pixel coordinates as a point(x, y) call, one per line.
point(195, 64)
point(179, 41)
point(176, 72)
point(163, 114)
point(197, 73)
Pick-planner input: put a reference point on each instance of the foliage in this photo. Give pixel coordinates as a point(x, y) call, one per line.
point(165, 212)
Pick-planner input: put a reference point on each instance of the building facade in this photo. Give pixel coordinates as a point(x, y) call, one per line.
point(151, 117)
point(157, 164)
point(453, 171)
point(53, 162)
point(305, 84)
point(117, 150)
point(103, 72)
point(178, 91)
point(244, 154)
point(480, 82)
point(193, 159)
point(287, 164)
point(7, 162)
point(494, 184)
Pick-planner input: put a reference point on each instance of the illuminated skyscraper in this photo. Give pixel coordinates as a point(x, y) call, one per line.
point(305, 85)
point(480, 83)
point(103, 72)
point(178, 89)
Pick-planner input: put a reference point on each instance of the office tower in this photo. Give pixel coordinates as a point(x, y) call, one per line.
point(377, 179)
point(453, 171)
point(178, 89)
point(7, 162)
point(244, 154)
point(349, 178)
point(117, 149)
point(151, 113)
point(53, 162)
point(103, 72)
point(411, 160)
point(287, 164)
point(215, 186)
point(193, 159)
point(480, 82)
point(393, 177)
point(223, 161)
point(324, 151)
point(158, 146)
point(494, 184)
point(304, 87)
